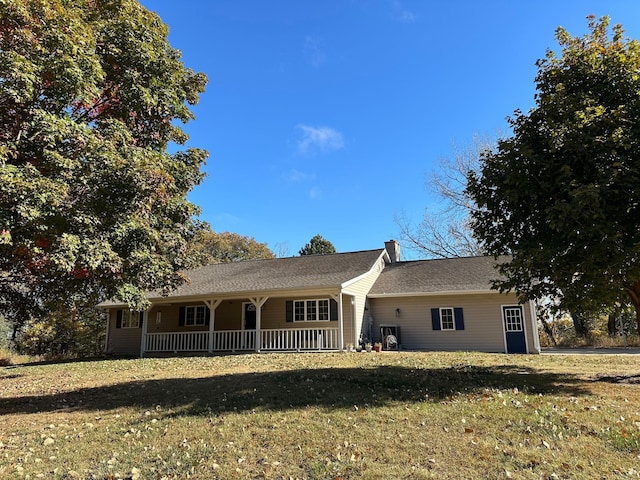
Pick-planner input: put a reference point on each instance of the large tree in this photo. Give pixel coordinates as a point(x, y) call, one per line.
point(227, 247)
point(562, 194)
point(92, 204)
point(318, 245)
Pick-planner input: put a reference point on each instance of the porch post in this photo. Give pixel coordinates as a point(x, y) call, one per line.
point(211, 305)
point(143, 336)
point(258, 302)
point(106, 339)
point(340, 323)
point(338, 299)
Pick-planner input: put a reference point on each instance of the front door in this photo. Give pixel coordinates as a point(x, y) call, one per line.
point(513, 321)
point(249, 316)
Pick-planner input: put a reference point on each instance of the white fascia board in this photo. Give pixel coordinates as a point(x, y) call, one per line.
point(354, 280)
point(169, 299)
point(368, 272)
point(281, 293)
point(432, 294)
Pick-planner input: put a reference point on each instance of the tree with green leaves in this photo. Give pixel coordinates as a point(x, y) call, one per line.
point(318, 245)
point(92, 203)
point(227, 247)
point(562, 194)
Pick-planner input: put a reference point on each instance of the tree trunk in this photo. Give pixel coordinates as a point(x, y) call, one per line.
point(580, 324)
point(634, 295)
point(547, 329)
point(612, 325)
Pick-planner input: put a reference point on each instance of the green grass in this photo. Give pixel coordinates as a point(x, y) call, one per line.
point(323, 416)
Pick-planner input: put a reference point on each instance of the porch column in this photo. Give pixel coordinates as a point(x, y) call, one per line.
point(338, 298)
point(143, 337)
point(211, 305)
point(106, 339)
point(340, 323)
point(258, 302)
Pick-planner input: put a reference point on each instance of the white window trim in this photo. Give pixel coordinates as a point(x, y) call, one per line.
point(130, 315)
point(453, 319)
point(194, 324)
point(317, 302)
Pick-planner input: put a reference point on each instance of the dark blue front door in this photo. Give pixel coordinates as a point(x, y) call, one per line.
point(249, 316)
point(513, 318)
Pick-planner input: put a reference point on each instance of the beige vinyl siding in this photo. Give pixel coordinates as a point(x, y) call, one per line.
point(359, 291)
point(170, 319)
point(347, 320)
point(122, 341)
point(274, 316)
point(483, 329)
point(228, 315)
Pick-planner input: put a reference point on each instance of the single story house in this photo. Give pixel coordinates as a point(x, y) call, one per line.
point(329, 303)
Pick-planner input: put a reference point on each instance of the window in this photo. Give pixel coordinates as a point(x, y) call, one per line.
point(311, 310)
point(323, 310)
point(298, 311)
point(513, 319)
point(446, 319)
point(131, 319)
point(195, 316)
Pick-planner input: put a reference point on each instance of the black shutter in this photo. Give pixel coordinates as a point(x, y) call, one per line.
point(181, 317)
point(435, 318)
point(289, 311)
point(459, 317)
point(140, 319)
point(333, 310)
point(207, 316)
point(119, 319)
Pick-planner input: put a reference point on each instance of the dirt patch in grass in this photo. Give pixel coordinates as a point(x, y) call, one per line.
point(322, 416)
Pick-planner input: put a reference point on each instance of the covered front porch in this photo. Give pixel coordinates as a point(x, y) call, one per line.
point(306, 321)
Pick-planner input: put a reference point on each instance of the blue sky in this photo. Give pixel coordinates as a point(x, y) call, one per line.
point(326, 116)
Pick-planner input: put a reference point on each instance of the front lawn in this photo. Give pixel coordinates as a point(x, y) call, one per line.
point(323, 416)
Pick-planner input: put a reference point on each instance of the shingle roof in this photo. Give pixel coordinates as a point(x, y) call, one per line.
point(440, 275)
point(310, 271)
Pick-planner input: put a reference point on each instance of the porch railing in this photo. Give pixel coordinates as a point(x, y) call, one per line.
point(280, 339)
point(299, 339)
point(233, 340)
point(177, 342)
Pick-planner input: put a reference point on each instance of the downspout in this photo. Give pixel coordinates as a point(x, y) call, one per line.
point(534, 326)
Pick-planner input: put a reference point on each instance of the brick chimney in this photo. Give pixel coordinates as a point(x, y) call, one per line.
point(393, 249)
